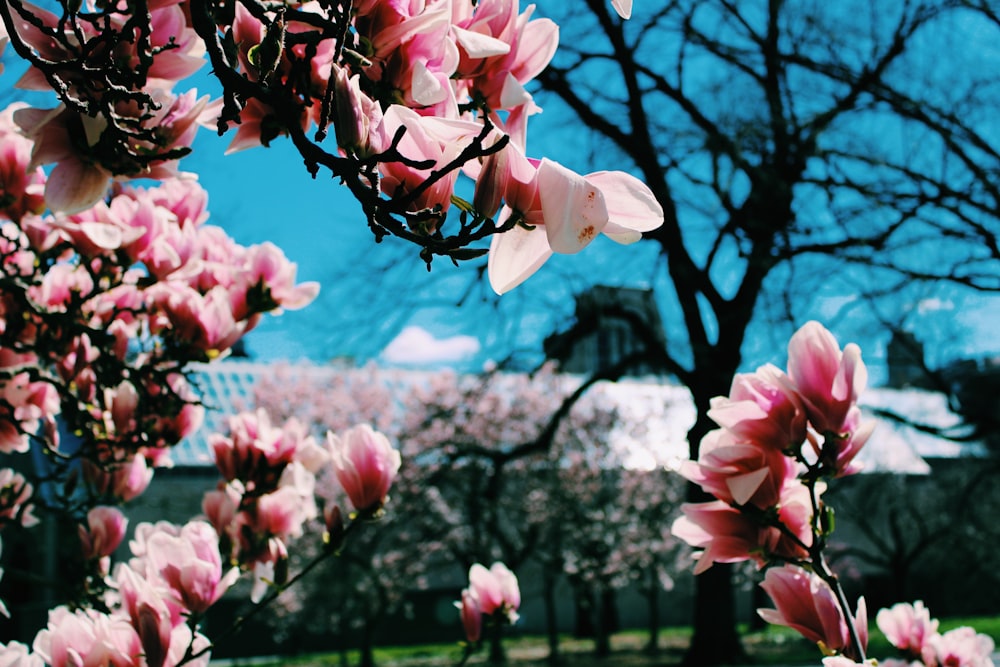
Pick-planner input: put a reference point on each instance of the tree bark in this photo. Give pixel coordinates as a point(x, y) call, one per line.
point(551, 621)
point(653, 611)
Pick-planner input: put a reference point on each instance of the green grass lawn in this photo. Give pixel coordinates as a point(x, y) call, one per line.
point(772, 646)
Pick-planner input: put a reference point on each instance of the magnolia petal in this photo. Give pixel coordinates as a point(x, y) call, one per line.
point(425, 87)
point(623, 7)
point(103, 235)
point(513, 94)
point(744, 486)
point(73, 186)
point(631, 204)
point(478, 45)
point(574, 209)
point(514, 256)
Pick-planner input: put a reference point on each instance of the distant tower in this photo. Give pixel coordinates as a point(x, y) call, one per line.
point(905, 359)
point(611, 323)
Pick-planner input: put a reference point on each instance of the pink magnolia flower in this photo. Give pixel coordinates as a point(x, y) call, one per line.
point(358, 123)
point(21, 188)
point(105, 530)
point(87, 637)
point(961, 647)
point(472, 615)
point(762, 408)
point(15, 498)
point(909, 628)
point(828, 380)
point(435, 140)
point(727, 535)
point(190, 564)
point(16, 654)
point(740, 473)
point(123, 480)
point(807, 604)
point(573, 210)
point(501, 50)
point(365, 465)
point(496, 590)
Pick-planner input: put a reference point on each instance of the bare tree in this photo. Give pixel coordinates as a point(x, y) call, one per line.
point(791, 145)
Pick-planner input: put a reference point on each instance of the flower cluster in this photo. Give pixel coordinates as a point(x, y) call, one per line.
point(492, 593)
point(102, 310)
point(781, 435)
point(416, 93)
point(910, 628)
point(153, 603)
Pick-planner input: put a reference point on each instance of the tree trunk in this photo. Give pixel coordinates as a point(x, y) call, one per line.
point(497, 655)
point(653, 612)
point(715, 640)
point(367, 657)
point(551, 621)
point(602, 624)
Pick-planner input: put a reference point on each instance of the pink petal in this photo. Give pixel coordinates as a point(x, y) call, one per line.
point(478, 45)
point(516, 255)
point(623, 7)
point(574, 209)
point(632, 208)
point(73, 186)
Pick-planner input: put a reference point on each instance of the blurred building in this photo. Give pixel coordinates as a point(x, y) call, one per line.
point(610, 324)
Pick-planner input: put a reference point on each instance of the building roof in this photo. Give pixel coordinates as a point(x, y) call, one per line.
point(653, 416)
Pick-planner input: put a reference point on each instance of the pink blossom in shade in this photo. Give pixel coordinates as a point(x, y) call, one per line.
point(739, 473)
point(87, 638)
point(828, 380)
point(105, 530)
point(961, 647)
point(21, 188)
point(807, 604)
point(190, 564)
point(574, 209)
point(909, 628)
point(727, 535)
point(762, 408)
point(358, 118)
point(204, 322)
point(496, 590)
point(472, 615)
point(16, 654)
point(151, 612)
point(365, 464)
point(124, 480)
point(623, 7)
point(844, 661)
point(15, 499)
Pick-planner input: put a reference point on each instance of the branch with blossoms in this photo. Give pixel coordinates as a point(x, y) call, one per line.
point(782, 437)
point(415, 96)
point(148, 610)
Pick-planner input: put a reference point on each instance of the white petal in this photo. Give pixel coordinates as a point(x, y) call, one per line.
point(513, 93)
point(514, 256)
point(574, 209)
point(478, 45)
point(623, 7)
point(425, 88)
point(631, 205)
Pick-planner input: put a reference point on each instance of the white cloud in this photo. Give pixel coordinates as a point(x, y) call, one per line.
point(933, 304)
point(417, 346)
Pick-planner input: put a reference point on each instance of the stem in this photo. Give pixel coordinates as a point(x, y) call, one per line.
point(822, 569)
